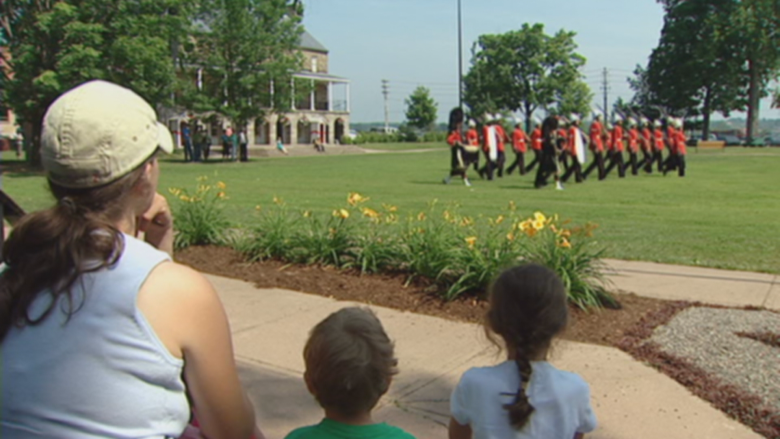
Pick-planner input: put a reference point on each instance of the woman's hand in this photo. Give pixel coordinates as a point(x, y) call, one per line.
point(157, 225)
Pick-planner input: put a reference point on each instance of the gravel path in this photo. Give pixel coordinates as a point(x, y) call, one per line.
point(707, 337)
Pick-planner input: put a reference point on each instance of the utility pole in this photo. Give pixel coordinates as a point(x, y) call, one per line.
point(460, 59)
point(605, 89)
point(386, 92)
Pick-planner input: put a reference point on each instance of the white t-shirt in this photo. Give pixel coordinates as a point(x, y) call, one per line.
point(561, 401)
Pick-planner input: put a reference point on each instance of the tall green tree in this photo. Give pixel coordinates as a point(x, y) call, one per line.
point(757, 24)
point(421, 109)
point(246, 51)
point(697, 67)
point(54, 46)
point(525, 70)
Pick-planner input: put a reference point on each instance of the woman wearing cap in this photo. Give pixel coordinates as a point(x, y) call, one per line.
point(100, 330)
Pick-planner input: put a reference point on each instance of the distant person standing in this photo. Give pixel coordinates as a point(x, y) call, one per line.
point(536, 145)
point(280, 146)
point(19, 142)
point(243, 144)
point(186, 138)
point(233, 145)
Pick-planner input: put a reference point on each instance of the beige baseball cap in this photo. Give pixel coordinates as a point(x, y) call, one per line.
point(98, 132)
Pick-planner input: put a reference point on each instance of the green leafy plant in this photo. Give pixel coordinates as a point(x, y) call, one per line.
point(199, 216)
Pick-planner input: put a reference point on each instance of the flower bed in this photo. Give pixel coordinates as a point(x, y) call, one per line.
point(459, 253)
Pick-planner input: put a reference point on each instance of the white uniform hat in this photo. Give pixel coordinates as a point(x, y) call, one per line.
point(98, 132)
point(631, 122)
point(617, 118)
point(643, 121)
point(472, 124)
point(657, 123)
point(574, 118)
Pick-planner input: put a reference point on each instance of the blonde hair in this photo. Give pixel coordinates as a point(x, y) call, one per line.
point(349, 361)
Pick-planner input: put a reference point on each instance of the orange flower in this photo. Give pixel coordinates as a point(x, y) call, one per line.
point(471, 241)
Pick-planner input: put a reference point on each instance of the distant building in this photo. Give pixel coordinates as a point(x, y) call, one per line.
point(324, 112)
point(8, 122)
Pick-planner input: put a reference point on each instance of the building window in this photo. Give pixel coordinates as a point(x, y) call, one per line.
point(314, 64)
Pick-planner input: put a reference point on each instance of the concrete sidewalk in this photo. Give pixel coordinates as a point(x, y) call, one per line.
point(270, 327)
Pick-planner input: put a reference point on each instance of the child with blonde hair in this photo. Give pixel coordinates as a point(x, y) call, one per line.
point(525, 396)
point(349, 366)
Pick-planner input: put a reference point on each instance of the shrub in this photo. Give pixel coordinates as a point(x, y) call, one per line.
point(460, 254)
point(199, 218)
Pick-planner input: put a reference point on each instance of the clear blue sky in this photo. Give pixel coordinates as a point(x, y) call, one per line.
point(414, 42)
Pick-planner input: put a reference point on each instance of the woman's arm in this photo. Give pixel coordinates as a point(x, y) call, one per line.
point(458, 431)
point(188, 317)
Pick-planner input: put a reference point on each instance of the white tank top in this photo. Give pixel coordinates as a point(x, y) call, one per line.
point(103, 373)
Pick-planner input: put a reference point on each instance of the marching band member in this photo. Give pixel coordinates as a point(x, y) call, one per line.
point(471, 147)
point(548, 161)
point(658, 146)
point(574, 136)
point(597, 147)
point(458, 163)
point(632, 137)
point(676, 159)
point(670, 140)
point(536, 145)
point(617, 147)
point(646, 143)
point(519, 144)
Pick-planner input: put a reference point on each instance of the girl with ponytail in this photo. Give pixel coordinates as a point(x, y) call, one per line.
point(525, 396)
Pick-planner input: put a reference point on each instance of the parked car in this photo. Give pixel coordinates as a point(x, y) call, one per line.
point(732, 140)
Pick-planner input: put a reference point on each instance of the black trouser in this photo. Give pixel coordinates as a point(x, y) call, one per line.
point(573, 167)
point(681, 165)
point(647, 161)
point(616, 159)
point(670, 164)
point(519, 163)
point(633, 159)
point(493, 166)
point(243, 152)
point(535, 161)
point(658, 159)
point(598, 161)
point(458, 162)
point(500, 162)
point(547, 167)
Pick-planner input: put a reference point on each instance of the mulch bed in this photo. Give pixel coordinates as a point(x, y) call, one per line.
point(627, 328)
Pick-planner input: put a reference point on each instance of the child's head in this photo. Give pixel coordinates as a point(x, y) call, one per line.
point(527, 310)
point(349, 361)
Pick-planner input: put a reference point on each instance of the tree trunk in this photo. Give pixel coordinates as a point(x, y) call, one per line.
point(706, 111)
point(753, 102)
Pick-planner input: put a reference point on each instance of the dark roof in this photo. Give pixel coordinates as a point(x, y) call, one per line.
point(311, 43)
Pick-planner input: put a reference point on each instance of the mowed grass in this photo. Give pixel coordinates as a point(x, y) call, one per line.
point(402, 146)
point(725, 213)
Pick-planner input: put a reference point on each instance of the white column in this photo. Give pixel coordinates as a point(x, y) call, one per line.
point(347, 97)
point(330, 96)
point(292, 92)
point(311, 96)
point(272, 95)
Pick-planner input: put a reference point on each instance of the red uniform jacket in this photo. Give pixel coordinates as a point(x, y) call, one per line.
point(573, 132)
point(596, 142)
point(681, 146)
point(671, 138)
point(518, 140)
point(455, 138)
point(658, 135)
point(472, 137)
point(633, 140)
point(647, 139)
point(617, 138)
point(536, 139)
point(501, 134)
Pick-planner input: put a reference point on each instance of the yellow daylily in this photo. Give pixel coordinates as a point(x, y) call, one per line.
point(510, 236)
point(564, 243)
point(174, 191)
point(471, 241)
point(539, 216)
point(466, 221)
point(202, 178)
point(221, 185)
point(258, 208)
point(306, 213)
point(221, 195)
point(512, 206)
point(389, 207)
point(184, 198)
point(341, 213)
point(369, 212)
point(278, 201)
point(421, 216)
point(500, 219)
point(355, 198)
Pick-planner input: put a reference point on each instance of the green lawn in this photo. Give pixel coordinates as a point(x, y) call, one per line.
point(403, 146)
point(725, 213)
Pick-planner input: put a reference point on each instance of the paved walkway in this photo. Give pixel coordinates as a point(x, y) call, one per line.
point(631, 400)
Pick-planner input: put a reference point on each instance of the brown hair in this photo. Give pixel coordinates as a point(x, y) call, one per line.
point(48, 251)
point(527, 310)
point(349, 361)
